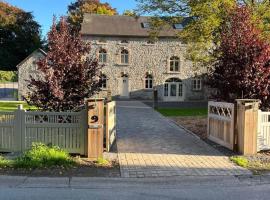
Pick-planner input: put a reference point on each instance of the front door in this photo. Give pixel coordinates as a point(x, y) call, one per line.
point(124, 87)
point(173, 91)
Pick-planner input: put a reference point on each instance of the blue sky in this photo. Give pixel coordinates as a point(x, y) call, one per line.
point(43, 10)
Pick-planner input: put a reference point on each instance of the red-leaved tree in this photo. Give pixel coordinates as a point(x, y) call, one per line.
point(243, 66)
point(67, 74)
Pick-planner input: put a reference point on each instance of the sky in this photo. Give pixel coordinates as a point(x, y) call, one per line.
point(43, 10)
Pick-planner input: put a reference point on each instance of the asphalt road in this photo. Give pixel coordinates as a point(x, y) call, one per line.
point(216, 188)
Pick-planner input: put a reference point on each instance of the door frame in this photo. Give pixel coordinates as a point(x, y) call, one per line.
point(177, 97)
point(121, 79)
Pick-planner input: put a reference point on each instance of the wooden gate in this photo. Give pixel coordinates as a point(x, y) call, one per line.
point(220, 127)
point(263, 138)
point(110, 124)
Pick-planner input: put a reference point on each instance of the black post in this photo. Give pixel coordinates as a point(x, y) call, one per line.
point(155, 103)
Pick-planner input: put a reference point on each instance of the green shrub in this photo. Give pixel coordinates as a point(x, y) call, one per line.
point(241, 161)
point(42, 156)
point(4, 162)
point(8, 76)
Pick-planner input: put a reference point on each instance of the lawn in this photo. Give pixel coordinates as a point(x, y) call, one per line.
point(13, 105)
point(169, 112)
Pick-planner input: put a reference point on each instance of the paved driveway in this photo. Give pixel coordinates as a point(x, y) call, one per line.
point(150, 145)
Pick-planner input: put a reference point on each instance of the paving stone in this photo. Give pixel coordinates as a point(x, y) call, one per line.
point(149, 145)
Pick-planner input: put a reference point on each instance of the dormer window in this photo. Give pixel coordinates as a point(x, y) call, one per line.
point(124, 42)
point(146, 25)
point(178, 26)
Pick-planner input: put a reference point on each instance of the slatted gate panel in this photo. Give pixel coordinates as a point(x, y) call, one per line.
point(220, 127)
point(7, 131)
point(110, 124)
point(263, 138)
point(61, 129)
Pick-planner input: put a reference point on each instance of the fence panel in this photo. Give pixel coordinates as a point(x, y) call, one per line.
point(220, 127)
point(7, 131)
point(110, 124)
point(19, 129)
point(263, 138)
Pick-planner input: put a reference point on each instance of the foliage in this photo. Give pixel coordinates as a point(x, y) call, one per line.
point(13, 105)
point(77, 9)
point(8, 76)
point(102, 162)
point(19, 35)
point(130, 13)
point(183, 111)
point(202, 33)
point(41, 156)
point(241, 161)
point(68, 74)
point(242, 69)
point(4, 163)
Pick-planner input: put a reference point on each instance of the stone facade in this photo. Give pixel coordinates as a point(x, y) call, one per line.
point(27, 68)
point(145, 58)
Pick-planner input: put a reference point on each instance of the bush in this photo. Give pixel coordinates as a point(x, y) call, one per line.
point(42, 156)
point(241, 161)
point(4, 162)
point(8, 76)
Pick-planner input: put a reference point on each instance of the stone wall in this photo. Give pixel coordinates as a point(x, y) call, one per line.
point(25, 70)
point(145, 58)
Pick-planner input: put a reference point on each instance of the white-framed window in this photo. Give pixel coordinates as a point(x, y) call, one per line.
point(197, 84)
point(102, 56)
point(174, 64)
point(148, 82)
point(103, 82)
point(124, 56)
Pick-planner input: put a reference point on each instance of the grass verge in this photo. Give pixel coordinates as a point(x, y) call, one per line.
point(170, 112)
point(40, 156)
point(13, 105)
point(256, 163)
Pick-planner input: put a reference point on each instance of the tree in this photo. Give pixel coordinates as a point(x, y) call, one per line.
point(130, 13)
point(202, 33)
point(68, 75)
point(20, 35)
point(242, 69)
point(77, 9)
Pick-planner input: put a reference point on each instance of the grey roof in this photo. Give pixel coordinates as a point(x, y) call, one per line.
point(34, 52)
point(118, 25)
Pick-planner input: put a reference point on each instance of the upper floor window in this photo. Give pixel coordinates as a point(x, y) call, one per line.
point(174, 64)
point(148, 81)
point(196, 84)
point(124, 56)
point(103, 82)
point(102, 56)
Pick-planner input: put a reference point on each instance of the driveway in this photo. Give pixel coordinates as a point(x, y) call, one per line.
point(150, 145)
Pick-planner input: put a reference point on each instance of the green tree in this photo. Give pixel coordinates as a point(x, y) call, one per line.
point(19, 35)
point(131, 13)
point(202, 33)
point(77, 9)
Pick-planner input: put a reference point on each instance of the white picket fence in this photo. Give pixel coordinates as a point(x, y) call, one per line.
point(19, 129)
point(263, 140)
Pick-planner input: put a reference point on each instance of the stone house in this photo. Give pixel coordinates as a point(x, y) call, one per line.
point(133, 64)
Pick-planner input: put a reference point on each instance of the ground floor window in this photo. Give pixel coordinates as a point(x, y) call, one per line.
point(196, 84)
point(103, 82)
point(149, 82)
